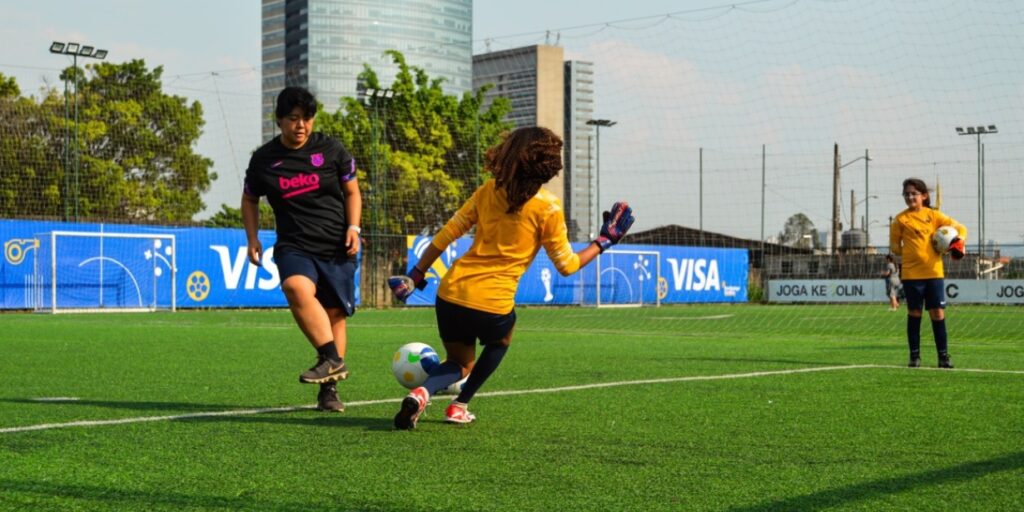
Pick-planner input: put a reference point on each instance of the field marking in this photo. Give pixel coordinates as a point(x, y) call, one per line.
point(692, 378)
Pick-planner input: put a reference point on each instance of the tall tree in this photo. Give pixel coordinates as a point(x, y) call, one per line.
point(137, 147)
point(31, 174)
point(799, 231)
point(129, 157)
point(419, 152)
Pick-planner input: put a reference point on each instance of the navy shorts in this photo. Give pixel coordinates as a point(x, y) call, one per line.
point(930, 292)
point(335, 280)
point(459, 324)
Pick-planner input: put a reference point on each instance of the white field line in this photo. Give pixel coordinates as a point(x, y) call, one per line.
point(247, 412)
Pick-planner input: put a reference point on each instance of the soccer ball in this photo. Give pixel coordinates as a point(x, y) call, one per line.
point(412, 363)
point(942, 238)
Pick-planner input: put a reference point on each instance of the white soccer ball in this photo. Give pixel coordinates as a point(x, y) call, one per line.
point(942, 238)
point(412, 363)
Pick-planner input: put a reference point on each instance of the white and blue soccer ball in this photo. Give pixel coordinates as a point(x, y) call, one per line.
point(942, 238)
point(412, 364)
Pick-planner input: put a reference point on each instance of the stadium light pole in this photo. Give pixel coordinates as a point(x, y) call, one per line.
point(75, 50)
point(978, 131)
point(598, 123)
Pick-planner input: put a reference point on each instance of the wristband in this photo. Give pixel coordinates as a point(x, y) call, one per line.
point(355, 228)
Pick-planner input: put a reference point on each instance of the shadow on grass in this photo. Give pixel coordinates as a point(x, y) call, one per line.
point(859, 492)
point(37, 495)
point(321, 419)
point(232, 413)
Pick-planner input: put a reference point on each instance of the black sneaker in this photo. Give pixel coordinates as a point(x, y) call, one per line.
point(327, 399)
point(324, 371)
point(915, 361)
point(944, 361)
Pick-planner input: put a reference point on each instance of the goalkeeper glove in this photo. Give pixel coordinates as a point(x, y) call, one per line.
point(403, 286)
point(956, 248)
point(616, 224)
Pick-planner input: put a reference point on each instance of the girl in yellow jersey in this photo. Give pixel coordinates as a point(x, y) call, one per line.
point(922, 273)
point(514, 218)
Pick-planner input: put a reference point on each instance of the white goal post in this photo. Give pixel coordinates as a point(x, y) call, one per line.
point(626, 278)
point(97, 271)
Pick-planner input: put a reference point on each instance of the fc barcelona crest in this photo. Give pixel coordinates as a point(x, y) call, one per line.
point(317, 159)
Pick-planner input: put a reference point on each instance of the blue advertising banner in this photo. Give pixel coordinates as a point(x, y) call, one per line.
point(627, 274)
point(134, 270)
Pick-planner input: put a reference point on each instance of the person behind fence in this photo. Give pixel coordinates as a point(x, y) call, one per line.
point(309, 180)
point(514, 218)
point(892, 282)
point(922, 273)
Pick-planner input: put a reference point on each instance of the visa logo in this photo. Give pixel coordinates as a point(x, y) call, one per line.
point(695, 274)
point(234, 268)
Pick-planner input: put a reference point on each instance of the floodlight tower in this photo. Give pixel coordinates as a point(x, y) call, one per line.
point(978, 131)
point(598, 123)
point(75, 50)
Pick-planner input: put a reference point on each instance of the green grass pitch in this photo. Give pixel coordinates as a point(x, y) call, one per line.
point(692, 408)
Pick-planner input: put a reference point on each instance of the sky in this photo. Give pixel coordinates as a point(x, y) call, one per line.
point(697, 88)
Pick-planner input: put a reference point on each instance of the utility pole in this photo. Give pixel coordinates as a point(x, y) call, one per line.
point(835, 198)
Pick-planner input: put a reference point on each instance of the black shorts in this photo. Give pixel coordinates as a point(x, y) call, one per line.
point(459, 324)
point(929, 292)
point(335, 280)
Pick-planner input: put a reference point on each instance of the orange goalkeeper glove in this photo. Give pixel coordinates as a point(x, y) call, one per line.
point(956, 248)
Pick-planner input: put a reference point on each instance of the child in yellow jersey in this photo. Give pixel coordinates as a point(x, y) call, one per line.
point(514, 218)
point(922, 272)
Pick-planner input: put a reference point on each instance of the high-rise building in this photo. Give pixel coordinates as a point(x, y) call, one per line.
point(532, 78)
point(580, 151)
point(547, 91)
point(323, 44)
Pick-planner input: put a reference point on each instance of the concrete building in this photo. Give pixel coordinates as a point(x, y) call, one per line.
point(323, 44)
point(580, 151)
point(547, 91)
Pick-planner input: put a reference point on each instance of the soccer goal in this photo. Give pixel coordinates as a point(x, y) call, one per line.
point(623, 278)
point(79, 271)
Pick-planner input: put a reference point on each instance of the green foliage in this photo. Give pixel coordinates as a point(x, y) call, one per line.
point(420, 153)
point(129, 157)
point(229, 217)
point(794, 231)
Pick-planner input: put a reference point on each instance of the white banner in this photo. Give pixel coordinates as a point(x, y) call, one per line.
point(958, 291)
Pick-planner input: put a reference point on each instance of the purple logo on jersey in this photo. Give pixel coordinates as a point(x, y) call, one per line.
point(276, 164)
point(317, 159)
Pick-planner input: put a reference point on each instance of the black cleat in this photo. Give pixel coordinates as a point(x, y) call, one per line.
point(413, 406)
point(944, 361)
point(324, 371)
point(915, 361)
point(327, 399)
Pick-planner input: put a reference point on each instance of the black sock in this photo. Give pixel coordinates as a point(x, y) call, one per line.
point(443, 376)
point(489, 360)
point(941, 339)
point(328, 351)
point(914, 335)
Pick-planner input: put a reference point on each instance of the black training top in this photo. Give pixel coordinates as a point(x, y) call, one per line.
point(303, 187)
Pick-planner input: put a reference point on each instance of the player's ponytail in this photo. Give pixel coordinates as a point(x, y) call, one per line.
point(528, 158)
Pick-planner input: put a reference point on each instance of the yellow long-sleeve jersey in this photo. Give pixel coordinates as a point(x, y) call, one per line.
point(910, 238)
point(487, 276)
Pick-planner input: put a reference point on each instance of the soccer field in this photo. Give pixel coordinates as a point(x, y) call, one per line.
point(674, 408)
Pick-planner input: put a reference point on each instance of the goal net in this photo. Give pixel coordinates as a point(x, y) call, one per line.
point(78, 271)
point(623, 278)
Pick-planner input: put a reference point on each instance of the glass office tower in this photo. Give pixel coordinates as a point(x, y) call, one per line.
point(323, 44)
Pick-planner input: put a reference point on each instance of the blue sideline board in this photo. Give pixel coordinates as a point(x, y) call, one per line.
point(213, 271)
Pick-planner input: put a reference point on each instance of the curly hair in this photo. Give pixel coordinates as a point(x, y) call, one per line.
point(528, 158)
